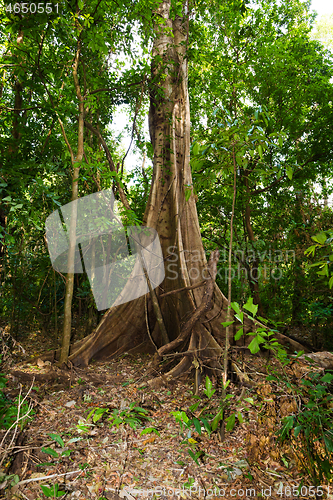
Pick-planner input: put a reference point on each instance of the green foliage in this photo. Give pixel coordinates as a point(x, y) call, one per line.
point(8, 479)
point(134, 416)
point(311, 428)
point(12, 411)
point(263, 337)
point(324, 240)
point(205, 418)
point(35, 168)
point(149, 430)
point(258, 85)
point(52, 491)
point(53, 453)
point(261, 93)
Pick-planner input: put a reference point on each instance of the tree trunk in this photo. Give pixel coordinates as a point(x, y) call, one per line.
point(175, 219)
point(66, 335)
point(253, 277)
point(191, 305)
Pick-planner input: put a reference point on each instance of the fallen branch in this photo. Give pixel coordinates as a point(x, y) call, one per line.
point(46, 478)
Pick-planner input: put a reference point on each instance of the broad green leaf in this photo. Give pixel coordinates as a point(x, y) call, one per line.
point(254, 345)
point(195, 149)
point(240, 417)
point(99, 413)
point(51, 452)
point(184, 417)
point(194, 456)
point(235, 307)
point(240, 317)
point(194, 407)
point(217, 420)
point(57, 438)
point(74, 440)
point(197, 425)
point(230, 421)
point(328, 442)
point(327, 378)
point(91, 413)
point(330, 283)
point(320, 237)
point(249, 400)
point(209, 391)
point(289, 171)
point(226, 323)
point(239, 334)
point(206, 425)
point(249, 306)
point(324, 271)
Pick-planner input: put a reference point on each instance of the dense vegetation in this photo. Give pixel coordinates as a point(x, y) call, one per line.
point(260, 89)
point(258, 136)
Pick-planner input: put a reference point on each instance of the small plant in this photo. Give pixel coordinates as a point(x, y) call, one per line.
point(50, 451)
point(312, 426)
point(13, 411)
point(97, 414)
point(5, 480)
point(134, 416)
point(205, 420)
point(53, 491)
point(87, 398)
point(189, 483)
point(323, 240)
point(83, 427)
point(263, 337)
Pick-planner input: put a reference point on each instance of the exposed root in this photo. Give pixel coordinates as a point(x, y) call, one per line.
point(65, 377)
point(204, 307)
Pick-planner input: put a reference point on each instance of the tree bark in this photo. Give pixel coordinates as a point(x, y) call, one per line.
point(175, 218)
point(66, 336)
point(253, 277)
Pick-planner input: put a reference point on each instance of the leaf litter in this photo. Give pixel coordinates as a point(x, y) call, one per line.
point(87, 458)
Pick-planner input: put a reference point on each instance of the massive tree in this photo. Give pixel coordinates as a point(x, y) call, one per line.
point(171, 210)
point(187, 311)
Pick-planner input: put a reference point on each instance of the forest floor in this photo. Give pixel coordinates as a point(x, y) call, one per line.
point(63, 450)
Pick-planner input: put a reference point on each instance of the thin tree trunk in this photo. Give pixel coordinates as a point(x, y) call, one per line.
point(66, 336)
point(254, 275)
